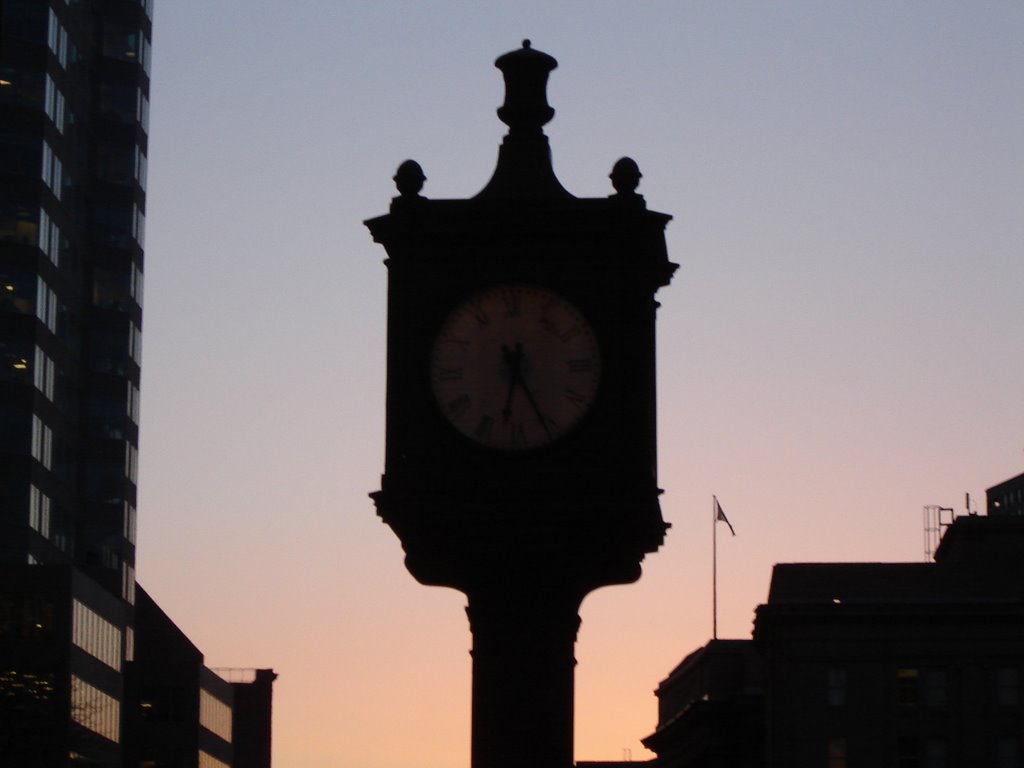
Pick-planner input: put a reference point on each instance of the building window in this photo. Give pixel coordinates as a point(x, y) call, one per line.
point(49, 237)
point(147, 55)
point(935, 754)
point(1009, 687)
point(129, 523)
point(121, 42)
point(42, 442)
point(52, 170)
point(46, 305)
point(1009, 753)
point(128, 592)
point(43, 374)
point(141, 167)
point(935, 687)
point(837, 753)
point(16, 290)
point(209, 761)
point(214, 715)
point(95, 710)
point(53, 103)
point(837, 687)
point(908, 752)
point(138, 225)
point(57, 38)
point(907, 679)
point(95, 635)
point(39, 511)
point(131, 462)
point(142, 110)
point(135, 284)
point(133, 403)
point(135, 343)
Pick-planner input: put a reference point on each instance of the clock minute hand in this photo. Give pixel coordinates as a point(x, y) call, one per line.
point(533, 403)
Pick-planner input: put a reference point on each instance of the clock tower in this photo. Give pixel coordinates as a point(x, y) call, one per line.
point(520, 465)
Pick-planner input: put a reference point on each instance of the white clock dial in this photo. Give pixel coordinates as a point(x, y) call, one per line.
point(515, 367)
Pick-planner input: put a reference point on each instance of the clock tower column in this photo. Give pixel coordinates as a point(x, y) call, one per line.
point(520, 463)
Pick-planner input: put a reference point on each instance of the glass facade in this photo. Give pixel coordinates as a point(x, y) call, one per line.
point(214, 715)
point(95, 635)
point(209, 761)
point(93, 709)
point(74, 113)
point(73, 167)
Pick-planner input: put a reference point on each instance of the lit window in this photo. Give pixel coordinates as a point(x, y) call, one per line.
point(907, 686)
point(837, 753)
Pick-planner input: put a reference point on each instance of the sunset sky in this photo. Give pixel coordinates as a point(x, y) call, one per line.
point(842, 344)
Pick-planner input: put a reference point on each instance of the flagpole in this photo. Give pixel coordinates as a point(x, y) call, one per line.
point(714, 568)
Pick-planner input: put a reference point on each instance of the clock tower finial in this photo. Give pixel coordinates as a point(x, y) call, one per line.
point(526, 108)
point(524, 159)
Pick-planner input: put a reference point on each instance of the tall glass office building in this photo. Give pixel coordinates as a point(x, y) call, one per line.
point(74, 104)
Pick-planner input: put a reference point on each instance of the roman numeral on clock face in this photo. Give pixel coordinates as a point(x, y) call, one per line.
point(449, 374)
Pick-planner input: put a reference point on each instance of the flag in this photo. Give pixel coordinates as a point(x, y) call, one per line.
point(720, 516)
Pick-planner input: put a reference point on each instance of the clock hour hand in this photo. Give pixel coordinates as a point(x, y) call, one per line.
point(511, 360)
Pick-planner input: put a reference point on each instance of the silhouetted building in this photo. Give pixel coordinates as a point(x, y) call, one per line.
point(74, 104)
point(251, 715)
point(714, 694)
point(61, 667)
point(865, 664)
point(179, 712)
point(1007, 498)
point(74, 112)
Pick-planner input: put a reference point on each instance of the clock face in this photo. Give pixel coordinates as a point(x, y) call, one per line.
point(515, 367)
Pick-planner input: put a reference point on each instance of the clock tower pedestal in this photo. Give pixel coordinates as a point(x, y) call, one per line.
point(523, 671)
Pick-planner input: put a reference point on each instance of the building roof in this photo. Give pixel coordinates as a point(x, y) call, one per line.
point(980, 560)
